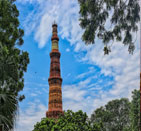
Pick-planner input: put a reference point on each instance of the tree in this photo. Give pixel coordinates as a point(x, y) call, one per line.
point(70, 121)
point(120, 115)
point(135, 110)
point(122, 17)
point(46, 124)
point(13, 61)
point(8, 109)
point(114, 115)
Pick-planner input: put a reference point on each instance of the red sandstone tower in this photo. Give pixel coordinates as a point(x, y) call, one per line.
point(55, 80)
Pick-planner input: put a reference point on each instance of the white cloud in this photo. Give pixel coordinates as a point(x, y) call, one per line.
point(73, 92)
point(119, 64)
point(30, 116)
point(67, 50)
point(33, 94)
point(82, 75)
point(75, 98)
point(44, 29)
point(65, 13)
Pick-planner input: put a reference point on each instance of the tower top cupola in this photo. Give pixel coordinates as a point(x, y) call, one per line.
point(54, 33)
point(54, 24)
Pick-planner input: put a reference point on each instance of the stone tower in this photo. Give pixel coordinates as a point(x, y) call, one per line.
point(55, 80)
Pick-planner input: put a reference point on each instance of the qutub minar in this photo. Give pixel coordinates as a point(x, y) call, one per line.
point(55, 81)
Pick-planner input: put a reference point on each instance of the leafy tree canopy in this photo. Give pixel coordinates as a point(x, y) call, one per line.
point(13, 63)
point(135, 111)
point(8, 109)
point(122, 17)
point(119, 114)
point(114, 115)
point(71, 121)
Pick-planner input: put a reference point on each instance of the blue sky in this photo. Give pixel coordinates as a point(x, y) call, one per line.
point(90, 79)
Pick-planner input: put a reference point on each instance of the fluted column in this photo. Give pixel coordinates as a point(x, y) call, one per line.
point(55, 80)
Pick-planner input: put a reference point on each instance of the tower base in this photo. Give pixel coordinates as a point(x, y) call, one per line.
point(54, 114)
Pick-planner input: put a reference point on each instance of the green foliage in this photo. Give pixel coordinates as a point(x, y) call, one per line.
point(13, 62)
point(122, 16)
point(71, 121)
point(45, 125)
point(119, 115)
point(8, 108)
point(74, 121)
point(114, 115)
point(10, 34)
point(135, 110)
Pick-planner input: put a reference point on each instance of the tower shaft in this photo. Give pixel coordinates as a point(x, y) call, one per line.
point(55, 81)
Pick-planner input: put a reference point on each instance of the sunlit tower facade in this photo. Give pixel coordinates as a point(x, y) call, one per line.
point(55, 81)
